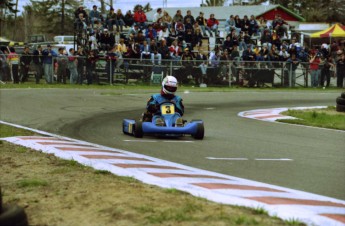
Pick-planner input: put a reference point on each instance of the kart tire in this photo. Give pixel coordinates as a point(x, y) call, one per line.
point(13, 215)
point(340, 108)
point(138, 130)
point(343, 95)
point(340, 100)
point(199, 135)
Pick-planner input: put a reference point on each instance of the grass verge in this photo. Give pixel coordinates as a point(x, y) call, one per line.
point(324, 117)
point(60, 192)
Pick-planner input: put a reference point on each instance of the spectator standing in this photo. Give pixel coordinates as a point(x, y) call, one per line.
point(187, 63)
point(314, 69)
point(37, 60)
point(72, 66)
point(140, 18)
point(212, 24)
point(13, 60)
point(25, 61)
point(340, 69)
point(201, 60)
point(91, 66)
point(111, 58)
point(292, 64)
point(326, 71)
point(48, 63)
point(62, 66)
point(95, 16)
point(3, 66)
point(81, 65)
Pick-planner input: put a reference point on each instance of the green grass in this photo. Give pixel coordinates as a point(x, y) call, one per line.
point(9, 131)
point(31, 183)
point(325, 118)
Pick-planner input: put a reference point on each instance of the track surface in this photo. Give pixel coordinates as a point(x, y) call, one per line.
point(318, 156)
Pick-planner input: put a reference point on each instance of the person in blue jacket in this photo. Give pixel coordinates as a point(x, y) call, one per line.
point(167, 94)
point(49, 56)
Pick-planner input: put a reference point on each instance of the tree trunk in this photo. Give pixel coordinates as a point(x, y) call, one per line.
point(62, 17)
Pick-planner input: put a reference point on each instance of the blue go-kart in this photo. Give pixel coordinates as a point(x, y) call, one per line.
point(168, 128)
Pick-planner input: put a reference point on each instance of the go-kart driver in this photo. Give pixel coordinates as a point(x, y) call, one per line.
point(167, 94)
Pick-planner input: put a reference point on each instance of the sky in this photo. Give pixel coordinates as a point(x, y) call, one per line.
point(125, 5)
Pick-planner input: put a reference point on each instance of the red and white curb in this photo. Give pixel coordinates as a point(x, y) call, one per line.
point(272, 114)
point(287, 204)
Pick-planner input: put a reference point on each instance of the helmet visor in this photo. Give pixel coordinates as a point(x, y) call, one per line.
point(170, 88)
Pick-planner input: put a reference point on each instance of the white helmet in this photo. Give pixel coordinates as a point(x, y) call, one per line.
point(169, 85)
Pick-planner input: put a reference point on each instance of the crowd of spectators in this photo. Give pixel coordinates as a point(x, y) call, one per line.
point(178, 39)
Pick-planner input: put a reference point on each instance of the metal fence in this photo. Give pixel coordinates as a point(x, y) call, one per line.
point(147, 71)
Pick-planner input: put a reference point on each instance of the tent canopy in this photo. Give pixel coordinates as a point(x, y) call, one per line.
point(334, 31)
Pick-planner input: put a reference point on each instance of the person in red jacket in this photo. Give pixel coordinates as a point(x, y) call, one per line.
point(212, 24)
point(140, 18)
point(314, 68)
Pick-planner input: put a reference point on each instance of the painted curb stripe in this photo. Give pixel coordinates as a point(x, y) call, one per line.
point(169, 175)
point(337, 217)
point(84, 149)
point(234, 186)
point(287, 201)
point(270, 116)
point(114, 157)
point(64, 143)
point(145, 166)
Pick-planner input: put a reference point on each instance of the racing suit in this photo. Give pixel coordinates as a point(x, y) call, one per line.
point(152, 106)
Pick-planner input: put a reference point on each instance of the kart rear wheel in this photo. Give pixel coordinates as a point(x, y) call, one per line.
point(138, 130)
point(199, 135)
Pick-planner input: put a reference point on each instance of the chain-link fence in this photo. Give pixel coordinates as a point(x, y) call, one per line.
point(151, 70)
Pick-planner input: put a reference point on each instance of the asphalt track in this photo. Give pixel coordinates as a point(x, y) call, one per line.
point(318, 155)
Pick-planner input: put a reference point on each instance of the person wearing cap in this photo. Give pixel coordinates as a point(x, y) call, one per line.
point(187, 60)
point(80, 10)
point(95, 16)
point(48, 55)
point(37, 60)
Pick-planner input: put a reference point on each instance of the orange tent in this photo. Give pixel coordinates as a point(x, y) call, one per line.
point(334, 31)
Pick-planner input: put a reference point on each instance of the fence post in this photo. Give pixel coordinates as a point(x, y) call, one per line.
point(230, 74)
point(290, 75)
point(111, 72)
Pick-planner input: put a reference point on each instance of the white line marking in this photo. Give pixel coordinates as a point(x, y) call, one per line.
point(151, 141)
point(282, 159)
point(214, 158)
point(178, 141)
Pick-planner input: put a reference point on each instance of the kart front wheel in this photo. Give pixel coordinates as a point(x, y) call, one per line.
point(138, 129)
point(200, 131)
